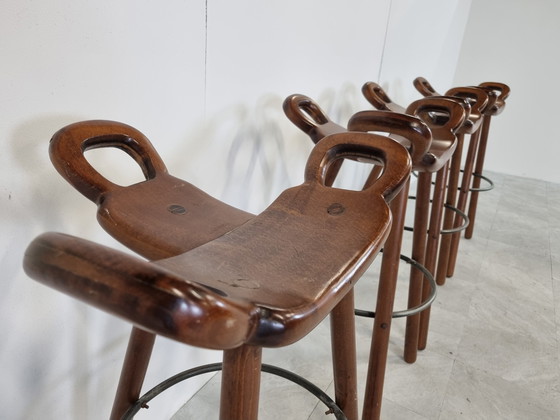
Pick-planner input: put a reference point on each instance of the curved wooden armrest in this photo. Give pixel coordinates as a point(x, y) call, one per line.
point(68, 145)
point(309, 117)
point(136, 215)
point(410, 131)
point(150, 296)
point(267, 282)
point(444, 115)
point(478, 99)
point(502, 90)
point(424, 87)
point(376, 96)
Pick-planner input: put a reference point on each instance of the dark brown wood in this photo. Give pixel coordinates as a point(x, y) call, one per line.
point(448, 214)
point(377, 96)
point(479, 100)
point(502, 92)
point(136, 215)
point(445, 116)
point(416, 137)
point(134, 369)
point(424, 87)
point(342, 324)
point(434, 236)
point(308, 116)
point(419, 242)
point(266, 282)
point(241, 377)
point(463, 196)
point(377, 364)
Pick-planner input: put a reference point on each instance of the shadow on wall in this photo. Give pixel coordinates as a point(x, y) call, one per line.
point(247, 155)
point(49, 351)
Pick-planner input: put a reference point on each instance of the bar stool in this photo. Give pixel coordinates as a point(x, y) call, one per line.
point(414, 134)
point(427, 217)
point(486, 104)
point(501, 92)
point(454, 217)
point(241, 285)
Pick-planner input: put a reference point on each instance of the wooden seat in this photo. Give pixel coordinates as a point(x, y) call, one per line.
point(266, 282)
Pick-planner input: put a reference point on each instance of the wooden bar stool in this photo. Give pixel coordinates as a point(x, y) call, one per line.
point(446, 131)
point(481, 101)
point(498, 93)
point(416, 137)
point(454, 219)
point(242, 284)
point(502, 92)
point(427, 213)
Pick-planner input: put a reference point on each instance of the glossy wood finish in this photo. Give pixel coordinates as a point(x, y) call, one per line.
point(479, 99)
point(173, 205)
point(416, 137)
point(445, 116)
point(377, 96)
point(127, 215)
point(501, 93)
point(262, 283)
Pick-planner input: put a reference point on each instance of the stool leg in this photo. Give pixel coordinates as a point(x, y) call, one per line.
point(241, 378)
point(419, 239)
point(384, 310)
point(462, 201)
point(451, 198)
point(138, 352)
point(343, 342)
point(479, 168)
point(434, 234)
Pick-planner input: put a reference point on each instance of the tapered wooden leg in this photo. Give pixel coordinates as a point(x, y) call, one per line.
point(434, 234)
point(419, 239)
point(384, 310)
point(343, 341)
point(462, 201)
point(133, 372)
point(448, 216)
point(241, 379)
point(479, 168)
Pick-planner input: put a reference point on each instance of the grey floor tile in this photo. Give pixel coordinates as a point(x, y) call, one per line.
point(476, 395)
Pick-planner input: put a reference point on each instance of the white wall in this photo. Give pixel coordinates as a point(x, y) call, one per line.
point(204, 80)
point(516, 42)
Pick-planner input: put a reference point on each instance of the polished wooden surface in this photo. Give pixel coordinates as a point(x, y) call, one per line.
point(136, 215)
point(262, 283)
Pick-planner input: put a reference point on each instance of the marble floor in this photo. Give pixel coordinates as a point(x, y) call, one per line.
point(493, 349)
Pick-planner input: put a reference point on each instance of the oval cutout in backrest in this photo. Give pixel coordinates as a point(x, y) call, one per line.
point(115, 165)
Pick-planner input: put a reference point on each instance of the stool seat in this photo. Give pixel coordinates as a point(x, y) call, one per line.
point(267, 282)
point(137, 215)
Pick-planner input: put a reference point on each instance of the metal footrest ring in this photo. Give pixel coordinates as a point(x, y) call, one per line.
point(215, 367)
point(460, 228)
point(490, 183)
point(416, 309)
